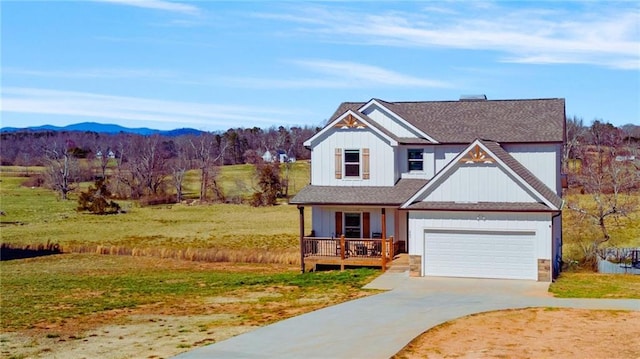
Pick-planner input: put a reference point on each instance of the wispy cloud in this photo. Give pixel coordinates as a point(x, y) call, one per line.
point(362, 73)
point(170, 6)
point(337, 74)
point(606, 35)
point(199, 115)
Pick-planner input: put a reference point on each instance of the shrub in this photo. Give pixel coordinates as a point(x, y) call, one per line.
point(96, 199)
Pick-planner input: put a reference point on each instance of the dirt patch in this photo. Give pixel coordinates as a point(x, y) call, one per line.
point(532, 333)
point(142, 336)
point(526, 333)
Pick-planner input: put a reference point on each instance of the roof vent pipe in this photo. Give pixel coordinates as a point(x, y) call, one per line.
point(473, 98)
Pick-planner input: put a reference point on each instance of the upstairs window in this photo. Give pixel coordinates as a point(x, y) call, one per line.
point(415, 160)
point(352, 163)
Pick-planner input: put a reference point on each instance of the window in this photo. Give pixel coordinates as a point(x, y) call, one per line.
point(352, 163)
point(415, 160)
point(352, 227)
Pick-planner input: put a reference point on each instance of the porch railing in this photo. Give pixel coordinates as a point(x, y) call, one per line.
point(364, 251)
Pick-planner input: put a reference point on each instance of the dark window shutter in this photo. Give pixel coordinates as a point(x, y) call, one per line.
point(338, 224)
point(366, 225)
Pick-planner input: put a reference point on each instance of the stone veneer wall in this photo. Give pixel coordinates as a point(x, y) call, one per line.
point(415, 265)
point(544, 270)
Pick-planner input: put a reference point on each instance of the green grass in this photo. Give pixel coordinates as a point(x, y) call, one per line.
point(594, 285)
point(58, 288)
point(36, 215)
point(579, 231)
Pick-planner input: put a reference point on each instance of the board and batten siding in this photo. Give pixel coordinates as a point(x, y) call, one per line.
point(428, 162)
point(543, 160)
point(479, 182)
point(381, 159)
point(445, 154)
point(323, 219)
point(538, 223)
point(389, 123)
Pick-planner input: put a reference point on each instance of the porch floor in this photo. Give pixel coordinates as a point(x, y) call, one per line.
point(400, 262)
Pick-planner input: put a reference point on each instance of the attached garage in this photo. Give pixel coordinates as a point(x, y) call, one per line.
point(508, 254)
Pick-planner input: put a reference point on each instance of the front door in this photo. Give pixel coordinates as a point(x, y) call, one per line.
point(352, 225)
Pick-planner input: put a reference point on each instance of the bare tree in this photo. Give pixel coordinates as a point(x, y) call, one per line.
point(609, 180)
point(144, 168)
point(208, 150)
point(179, 166)
point(575, 132)
point(61, 169)
point(102, 159)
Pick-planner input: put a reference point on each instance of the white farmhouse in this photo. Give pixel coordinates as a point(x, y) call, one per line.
point(469, 188)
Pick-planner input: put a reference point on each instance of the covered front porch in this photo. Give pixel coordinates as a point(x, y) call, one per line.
point(344, 252)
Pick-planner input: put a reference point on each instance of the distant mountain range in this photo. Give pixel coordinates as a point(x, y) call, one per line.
point(104, 128)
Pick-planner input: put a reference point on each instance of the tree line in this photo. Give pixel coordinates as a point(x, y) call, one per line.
point(147, 167)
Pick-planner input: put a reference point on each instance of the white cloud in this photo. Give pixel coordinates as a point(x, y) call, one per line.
point(333, 75)
point(357, 74)
point(606, 35)
point(170, 6)
point(198, 115)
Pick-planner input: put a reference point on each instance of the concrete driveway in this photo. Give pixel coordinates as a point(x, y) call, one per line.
point(380, 325)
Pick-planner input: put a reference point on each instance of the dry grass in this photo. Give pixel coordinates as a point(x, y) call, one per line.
point(212, 232)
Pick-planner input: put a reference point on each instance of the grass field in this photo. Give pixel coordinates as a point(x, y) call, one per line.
point(242, 266)
point(220, 232)
point(579, 231)
point(61, 288)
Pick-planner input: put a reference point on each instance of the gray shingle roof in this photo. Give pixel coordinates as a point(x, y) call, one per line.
point(480, 206)
point(507, 121)
point(347, 195)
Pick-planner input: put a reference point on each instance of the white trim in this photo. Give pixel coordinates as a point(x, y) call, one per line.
point(374, 102)
point(454, 163)
point(330, 126)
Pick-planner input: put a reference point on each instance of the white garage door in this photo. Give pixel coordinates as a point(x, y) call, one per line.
point(480, 254)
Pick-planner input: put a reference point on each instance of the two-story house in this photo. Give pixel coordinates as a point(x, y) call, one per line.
point(469, 188)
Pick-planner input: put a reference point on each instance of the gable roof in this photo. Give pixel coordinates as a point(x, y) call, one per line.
point(527, 179)
point(381, 104)
point(364, 119)
point(505, 121)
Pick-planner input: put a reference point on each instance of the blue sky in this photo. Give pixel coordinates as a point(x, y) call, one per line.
point(213, 65)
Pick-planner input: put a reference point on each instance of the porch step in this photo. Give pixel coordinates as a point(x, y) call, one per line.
point(400, 263)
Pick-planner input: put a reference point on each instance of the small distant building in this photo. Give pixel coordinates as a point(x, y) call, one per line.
point(280, 155)
point(625, 158)
point(267, 156)
point(110, 154)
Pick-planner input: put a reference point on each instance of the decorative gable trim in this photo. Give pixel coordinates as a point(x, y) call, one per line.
point(350, 120)
point(374, 102)
point(476, 155)
point(475, 150)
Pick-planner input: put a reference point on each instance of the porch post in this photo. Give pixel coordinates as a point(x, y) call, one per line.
point(301, 209)
point(384, 240)
point(343, 243)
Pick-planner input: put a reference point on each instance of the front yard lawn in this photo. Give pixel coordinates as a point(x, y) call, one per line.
point(595, 285)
